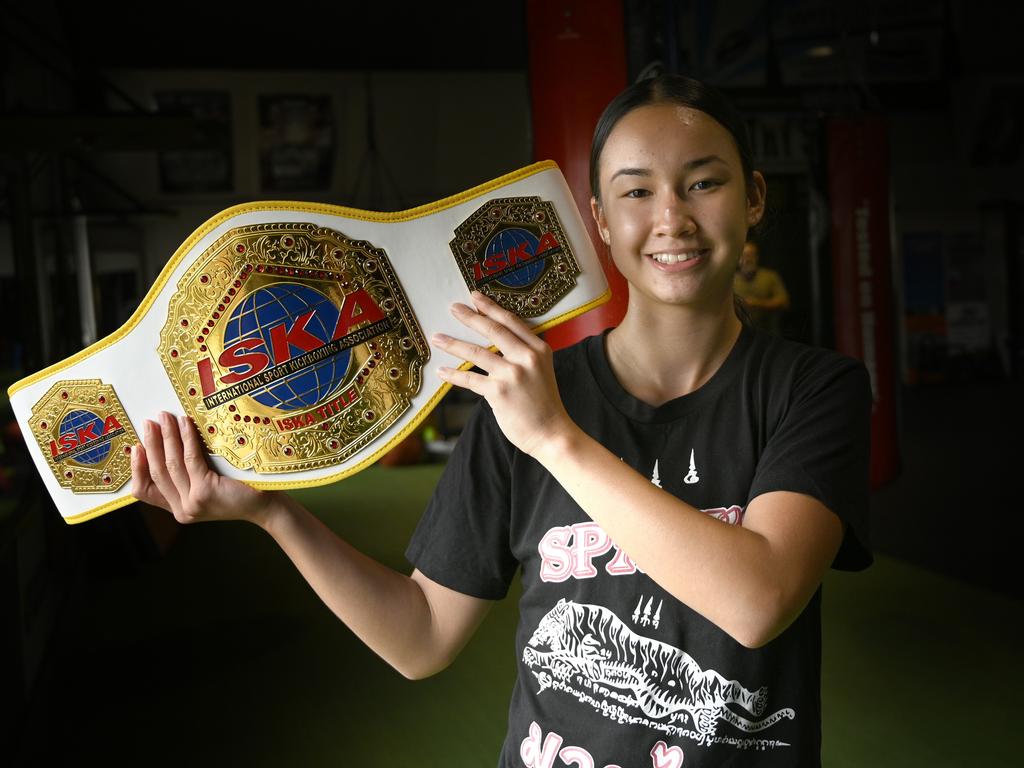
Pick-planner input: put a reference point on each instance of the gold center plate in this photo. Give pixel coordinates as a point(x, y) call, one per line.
point(292, 346)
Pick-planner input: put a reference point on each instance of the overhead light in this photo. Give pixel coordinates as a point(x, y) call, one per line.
point(820, 51)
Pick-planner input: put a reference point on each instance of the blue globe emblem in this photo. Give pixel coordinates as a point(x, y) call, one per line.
point(279, 303)
point(511, 240)
point(76, 420)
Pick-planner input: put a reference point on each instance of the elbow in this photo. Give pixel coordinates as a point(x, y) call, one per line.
point(416, 673)
point(761, 621)
point(754, 638)
point(421, 668)
point(410, 673)
point(752, 635)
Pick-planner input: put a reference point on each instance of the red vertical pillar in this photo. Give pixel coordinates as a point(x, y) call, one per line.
point(858, 169)
point(577, 65)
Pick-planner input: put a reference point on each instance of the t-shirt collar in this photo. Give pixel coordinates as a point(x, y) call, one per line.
point(597, 357)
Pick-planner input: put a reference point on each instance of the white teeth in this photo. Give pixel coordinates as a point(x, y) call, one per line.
point(673, 258)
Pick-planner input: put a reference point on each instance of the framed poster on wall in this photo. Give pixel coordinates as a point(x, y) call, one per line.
point(296, 141)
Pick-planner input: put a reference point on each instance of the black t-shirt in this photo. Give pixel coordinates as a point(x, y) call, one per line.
point(612, 670)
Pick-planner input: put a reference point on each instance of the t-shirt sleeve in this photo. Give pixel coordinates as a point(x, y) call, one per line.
point(462, 540)
point(821, 448)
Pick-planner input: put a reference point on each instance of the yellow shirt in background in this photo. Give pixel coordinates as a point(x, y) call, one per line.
point(765, 285)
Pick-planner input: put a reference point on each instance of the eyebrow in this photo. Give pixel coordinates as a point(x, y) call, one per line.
point(687, 167)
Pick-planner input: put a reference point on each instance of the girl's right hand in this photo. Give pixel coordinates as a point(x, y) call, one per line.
point(169, 470)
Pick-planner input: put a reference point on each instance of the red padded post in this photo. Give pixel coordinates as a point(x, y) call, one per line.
point(577, 65)
point(858, 180)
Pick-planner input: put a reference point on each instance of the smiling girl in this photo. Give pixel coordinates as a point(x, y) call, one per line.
point(673, 490)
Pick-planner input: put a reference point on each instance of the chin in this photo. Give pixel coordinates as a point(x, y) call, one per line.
point(693, 296)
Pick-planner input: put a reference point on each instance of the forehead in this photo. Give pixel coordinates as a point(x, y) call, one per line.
point(660, 136)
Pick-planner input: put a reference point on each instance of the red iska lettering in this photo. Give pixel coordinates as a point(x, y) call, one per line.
point(548, 242)
point(85, 433)
point(499, 261)
point(206, 376)
point(517, 254)
point(358, 307)
point(297, 336)
point(496, 262)
point(254, 362)
point(110, 423)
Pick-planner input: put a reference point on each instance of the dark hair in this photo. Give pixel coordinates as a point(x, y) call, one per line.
point(671, 89)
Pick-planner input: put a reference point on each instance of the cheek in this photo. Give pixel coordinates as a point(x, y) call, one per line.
point(729, 222)
point(624, 229)
point(627, 238)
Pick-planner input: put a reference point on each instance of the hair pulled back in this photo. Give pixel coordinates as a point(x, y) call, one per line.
point(670, 89)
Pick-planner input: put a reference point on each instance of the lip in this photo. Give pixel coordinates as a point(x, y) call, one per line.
point(679, 266)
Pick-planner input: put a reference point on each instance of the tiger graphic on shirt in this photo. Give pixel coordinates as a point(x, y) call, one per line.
point(663, 682)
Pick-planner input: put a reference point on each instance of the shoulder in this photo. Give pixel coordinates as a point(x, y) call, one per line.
point(804, 370)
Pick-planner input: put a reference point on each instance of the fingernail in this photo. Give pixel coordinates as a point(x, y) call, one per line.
point(149, 427)
point(440, 338)
point(443, 372)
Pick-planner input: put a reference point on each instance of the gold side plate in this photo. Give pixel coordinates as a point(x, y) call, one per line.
point(514, 250)
point(85, 435)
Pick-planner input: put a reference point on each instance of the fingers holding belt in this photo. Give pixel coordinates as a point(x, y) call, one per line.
point(169, 463)
point(498, 325)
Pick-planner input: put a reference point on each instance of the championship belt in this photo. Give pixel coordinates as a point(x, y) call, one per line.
point(295, 335)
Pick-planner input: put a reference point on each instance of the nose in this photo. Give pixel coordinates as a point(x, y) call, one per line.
point(675, 217)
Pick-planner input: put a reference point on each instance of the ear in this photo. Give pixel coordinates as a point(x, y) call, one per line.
point(602, 224)
point(757, 193)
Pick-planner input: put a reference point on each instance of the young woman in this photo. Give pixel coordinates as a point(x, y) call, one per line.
point(673, 490)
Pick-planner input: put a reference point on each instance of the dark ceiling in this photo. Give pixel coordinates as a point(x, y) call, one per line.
point(296, 34)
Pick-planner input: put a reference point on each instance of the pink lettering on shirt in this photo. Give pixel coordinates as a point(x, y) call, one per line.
point(570, 550)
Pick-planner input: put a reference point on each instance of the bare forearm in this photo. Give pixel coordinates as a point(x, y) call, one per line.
point(721, 571)
point(387, 610)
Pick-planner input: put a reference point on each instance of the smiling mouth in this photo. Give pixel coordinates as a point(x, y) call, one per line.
point(676, 258)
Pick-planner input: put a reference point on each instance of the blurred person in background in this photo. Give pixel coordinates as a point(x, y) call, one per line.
point(762, 290)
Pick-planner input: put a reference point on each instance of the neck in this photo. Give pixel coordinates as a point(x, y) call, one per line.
point(660, 353)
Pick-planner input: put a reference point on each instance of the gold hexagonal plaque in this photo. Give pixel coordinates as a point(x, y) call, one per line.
point(514, 250)
point(85, 435)
point(291, 346)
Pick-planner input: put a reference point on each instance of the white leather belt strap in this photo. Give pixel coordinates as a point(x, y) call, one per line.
point(295, 335)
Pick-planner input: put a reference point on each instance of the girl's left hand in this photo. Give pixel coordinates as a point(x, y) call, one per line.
point(520, 382)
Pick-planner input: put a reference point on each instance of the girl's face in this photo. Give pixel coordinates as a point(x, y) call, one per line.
point(675, 207)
